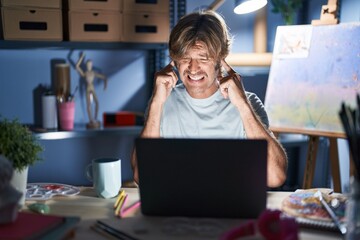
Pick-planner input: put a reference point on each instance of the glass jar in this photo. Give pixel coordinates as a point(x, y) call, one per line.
point(353, 210)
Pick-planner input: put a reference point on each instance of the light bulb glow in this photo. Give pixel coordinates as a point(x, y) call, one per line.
point(249, 6)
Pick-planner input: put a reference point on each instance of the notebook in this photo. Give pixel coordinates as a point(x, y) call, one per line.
point(216, 178)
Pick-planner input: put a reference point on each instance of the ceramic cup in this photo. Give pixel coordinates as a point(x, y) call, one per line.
point(105, 173)
point(66, 115)
point(49, 117)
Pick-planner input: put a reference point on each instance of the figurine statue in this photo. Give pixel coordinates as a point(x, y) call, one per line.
point(89, 74)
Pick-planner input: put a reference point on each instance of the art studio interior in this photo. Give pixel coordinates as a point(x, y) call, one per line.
point(302, 62)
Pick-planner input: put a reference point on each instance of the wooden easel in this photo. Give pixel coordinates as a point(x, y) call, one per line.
point(310, 164)
point(328, 14)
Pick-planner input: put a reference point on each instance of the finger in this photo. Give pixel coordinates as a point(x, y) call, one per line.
point(227, 67)
point(170, 66)
point(223, 80)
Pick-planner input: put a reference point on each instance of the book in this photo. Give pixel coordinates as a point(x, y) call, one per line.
point(29, 226)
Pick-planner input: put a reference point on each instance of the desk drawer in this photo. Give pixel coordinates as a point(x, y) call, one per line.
point(109, 5)
point(146, 27)
point(32, 24)
point(32, 3)
point(146, 6)
point(95, 26)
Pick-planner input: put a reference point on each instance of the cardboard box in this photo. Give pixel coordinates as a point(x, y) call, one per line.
point(110, 5)
point(146, 27)
point(32, 3)
point(32, 24)
point(95, 26)
point(146, 6)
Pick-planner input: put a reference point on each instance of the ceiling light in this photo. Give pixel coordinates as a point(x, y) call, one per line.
point(247, 6)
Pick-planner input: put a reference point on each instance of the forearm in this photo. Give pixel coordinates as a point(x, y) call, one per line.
point(152, 123)
point(277, 160)
point(151, 130)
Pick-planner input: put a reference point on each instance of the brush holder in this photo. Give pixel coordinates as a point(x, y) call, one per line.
point(353, 210)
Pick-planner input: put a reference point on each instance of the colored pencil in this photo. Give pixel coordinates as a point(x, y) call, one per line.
point(130, 208)
point(121, 193)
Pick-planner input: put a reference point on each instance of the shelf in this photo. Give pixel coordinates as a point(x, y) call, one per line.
point(80, 132)
point(9, 44)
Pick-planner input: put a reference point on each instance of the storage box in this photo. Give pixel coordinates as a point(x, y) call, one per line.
point(146, 27)
point(146, 6)
point(95, 26)
point(124, 118)
point(110, 5)
point(32, 3)
point(32, 24)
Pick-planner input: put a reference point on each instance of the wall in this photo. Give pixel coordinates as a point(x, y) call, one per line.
point(22, 71)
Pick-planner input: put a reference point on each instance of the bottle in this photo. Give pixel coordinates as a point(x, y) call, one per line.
point(353, 210)
point(62, 81)
point(49, 111)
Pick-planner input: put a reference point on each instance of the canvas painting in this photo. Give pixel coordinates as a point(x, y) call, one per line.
point(314, 69)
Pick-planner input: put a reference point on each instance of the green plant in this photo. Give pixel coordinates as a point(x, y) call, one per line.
point(18, 144)
point(287, 9)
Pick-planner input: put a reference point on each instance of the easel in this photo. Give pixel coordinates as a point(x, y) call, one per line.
point(328, 14)
point(311, 162)
point(312, 154)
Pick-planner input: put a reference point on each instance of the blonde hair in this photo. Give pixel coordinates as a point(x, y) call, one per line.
point(204, 26)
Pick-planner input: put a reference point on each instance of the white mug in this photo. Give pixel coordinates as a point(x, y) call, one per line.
point(105, 173)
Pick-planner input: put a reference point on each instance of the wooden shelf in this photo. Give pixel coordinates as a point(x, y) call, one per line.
point(81, 132)
point(10, 44)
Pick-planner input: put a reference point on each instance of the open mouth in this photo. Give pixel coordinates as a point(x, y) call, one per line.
point(195, 77)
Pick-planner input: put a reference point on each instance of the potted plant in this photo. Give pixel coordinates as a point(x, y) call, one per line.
point(287, 9)
point(21, 148)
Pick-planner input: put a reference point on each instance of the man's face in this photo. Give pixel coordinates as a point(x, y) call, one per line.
point(198, 71)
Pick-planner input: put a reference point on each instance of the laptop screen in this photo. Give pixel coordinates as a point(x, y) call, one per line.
point(223, 178)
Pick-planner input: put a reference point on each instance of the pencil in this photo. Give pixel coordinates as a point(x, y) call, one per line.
point(121, 193)
point(120, 205)
point(114, 232)
point(130, 208)
point(99, 230)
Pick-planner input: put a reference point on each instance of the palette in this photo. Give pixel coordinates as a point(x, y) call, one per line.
point(45, 191)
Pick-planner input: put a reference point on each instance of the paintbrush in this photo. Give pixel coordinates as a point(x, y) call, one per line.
point(331, 213)
point(351, 125)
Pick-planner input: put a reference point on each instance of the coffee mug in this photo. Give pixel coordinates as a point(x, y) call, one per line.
point(105, 173)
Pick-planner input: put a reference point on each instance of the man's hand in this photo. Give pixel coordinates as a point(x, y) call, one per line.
point(165, 81)
point(231, 86)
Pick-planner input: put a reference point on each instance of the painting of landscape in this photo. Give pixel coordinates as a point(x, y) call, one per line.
point(314, 70)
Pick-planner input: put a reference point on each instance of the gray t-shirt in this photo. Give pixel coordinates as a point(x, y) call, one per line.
point(212, 117)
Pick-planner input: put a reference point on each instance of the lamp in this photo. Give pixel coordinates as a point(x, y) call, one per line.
point(247, 6)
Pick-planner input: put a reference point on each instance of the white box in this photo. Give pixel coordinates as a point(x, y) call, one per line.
point(32, 24)
point(146, 6)
point(95, 26)
point(32, 3)
point(110, 5)
point(146, 27)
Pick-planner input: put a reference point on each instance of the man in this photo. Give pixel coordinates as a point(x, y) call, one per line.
point(208, 103)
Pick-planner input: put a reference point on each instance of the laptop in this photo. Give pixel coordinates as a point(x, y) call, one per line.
point(215, 178)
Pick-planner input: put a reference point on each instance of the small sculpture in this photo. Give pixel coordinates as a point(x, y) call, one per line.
point(89, 74)
point(9, 196)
